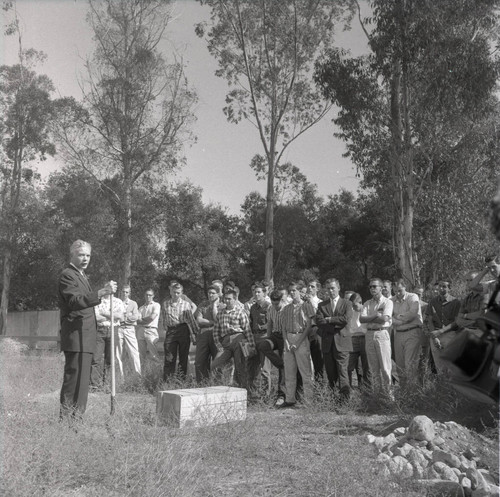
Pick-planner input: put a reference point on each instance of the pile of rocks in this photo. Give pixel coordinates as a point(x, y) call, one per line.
point(440, 455)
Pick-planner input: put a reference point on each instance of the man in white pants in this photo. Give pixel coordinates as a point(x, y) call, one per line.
point(408, 336)
point(126, 333)
point(377, 316)
point(147, 328)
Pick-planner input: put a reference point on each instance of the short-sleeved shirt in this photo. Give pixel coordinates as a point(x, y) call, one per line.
point(209, 310)
point(383, 304)
point(131, 313)
point(402, 307)
point(147, 310)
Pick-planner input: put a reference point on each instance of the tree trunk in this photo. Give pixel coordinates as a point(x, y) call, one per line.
point(401, 176)
point(7, 274)
point(127, 260)
point(127, 238)
point(269, 235)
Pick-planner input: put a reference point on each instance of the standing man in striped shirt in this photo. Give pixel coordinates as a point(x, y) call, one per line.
point(231, 330)
point(296, 355)
point(274, 340)
point(180, 328)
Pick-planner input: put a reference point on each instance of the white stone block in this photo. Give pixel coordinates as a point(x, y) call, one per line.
point(202, 406)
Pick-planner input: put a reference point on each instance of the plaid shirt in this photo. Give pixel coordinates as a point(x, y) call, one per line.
point(176, 313)
point(105, 307)
point(235, 318)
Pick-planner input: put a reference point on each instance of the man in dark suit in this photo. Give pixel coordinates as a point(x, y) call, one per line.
point(78, 328)
point(332, 317)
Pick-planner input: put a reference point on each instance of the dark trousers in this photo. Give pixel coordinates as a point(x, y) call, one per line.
point(232, 350)
point(278, 344)
point(317, 358)
point(265, 348)
point(359, 352)
point(394, 369)
point(177, 341)
point(336, 363)
point(102, 358)
point(426, 362)
point(75, 387)
point(205, 353)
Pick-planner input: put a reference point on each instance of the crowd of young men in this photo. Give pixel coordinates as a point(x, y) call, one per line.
point(304, 330)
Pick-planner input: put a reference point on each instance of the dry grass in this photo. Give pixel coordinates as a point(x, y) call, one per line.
point(305, 452)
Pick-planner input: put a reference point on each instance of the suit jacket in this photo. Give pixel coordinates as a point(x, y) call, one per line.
point(337, 330)
point(78, 320)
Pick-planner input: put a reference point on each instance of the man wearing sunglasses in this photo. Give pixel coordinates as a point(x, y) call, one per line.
point(377, 316)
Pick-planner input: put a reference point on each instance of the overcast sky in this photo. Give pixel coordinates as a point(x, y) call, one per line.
point(219, 160)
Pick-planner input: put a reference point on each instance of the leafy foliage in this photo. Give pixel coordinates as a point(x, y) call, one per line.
point(137, 109)
point(413, 110)
point(265, 51)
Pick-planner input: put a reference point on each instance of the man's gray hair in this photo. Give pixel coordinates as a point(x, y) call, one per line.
point(75, 246)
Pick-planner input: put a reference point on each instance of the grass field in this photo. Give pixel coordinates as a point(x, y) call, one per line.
point(316, 451)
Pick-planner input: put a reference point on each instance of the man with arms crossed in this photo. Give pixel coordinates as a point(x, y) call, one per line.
point(147, 328)
point(377, 315)
point(407, 326)
point(206, 350)
point(78, 328)
point(101, 362)
point(332, 317)
point(126, 332)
